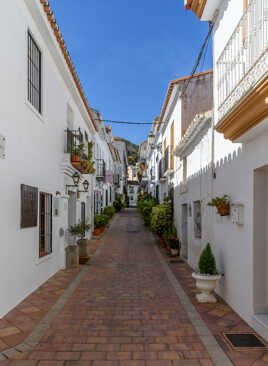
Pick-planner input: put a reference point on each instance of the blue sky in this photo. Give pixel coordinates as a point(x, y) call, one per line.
point(126, 52)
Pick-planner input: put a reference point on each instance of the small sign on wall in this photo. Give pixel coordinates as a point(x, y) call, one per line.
point(2, 147)
point(29, 206)
point(237, 213)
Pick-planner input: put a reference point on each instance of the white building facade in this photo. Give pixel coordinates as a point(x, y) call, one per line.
point(47, 129)
point(229, 155)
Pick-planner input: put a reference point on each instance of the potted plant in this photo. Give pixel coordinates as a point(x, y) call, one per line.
point(87, 164)
point(76, 154)
point(222, 204)
point(207, 276)
point(80, 230)
point(99, 223)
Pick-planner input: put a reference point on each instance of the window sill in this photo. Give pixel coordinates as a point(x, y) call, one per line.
point(31, 107)
point(43, 258)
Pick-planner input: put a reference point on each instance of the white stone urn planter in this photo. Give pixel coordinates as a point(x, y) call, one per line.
point(206, 284)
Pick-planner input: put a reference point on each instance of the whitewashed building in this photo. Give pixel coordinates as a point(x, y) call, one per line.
point(47, 130)
point(121, 147)
point(227, 153)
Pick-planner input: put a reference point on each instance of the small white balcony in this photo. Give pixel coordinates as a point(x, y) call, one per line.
point(243, 64)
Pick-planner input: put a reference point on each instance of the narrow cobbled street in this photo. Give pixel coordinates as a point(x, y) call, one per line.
point(124, 310)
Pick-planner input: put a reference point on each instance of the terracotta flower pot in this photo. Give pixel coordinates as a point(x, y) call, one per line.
point(224, 210)
point(162, 242)
point(98, 230)
point(76, 160)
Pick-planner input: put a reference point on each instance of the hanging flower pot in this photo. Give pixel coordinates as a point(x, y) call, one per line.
point(224, 210)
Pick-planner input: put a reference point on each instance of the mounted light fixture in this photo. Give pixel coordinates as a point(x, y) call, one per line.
point(76, 179)
point(151, 138)
point(86, 186)
point(58, 194)
point(151, 142)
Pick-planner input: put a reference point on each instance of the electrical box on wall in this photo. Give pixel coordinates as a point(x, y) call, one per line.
point(237, 213)
point(2, 147)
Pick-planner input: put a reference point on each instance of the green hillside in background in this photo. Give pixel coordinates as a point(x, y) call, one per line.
point(133, 152)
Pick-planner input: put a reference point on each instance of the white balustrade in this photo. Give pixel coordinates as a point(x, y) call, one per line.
point(244, 61)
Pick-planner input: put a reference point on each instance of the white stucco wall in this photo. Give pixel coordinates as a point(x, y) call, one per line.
point(34, 150)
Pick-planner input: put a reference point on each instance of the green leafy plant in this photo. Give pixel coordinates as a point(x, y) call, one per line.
point(219, 201)
point(79, 229)
point(87, 163)
point(161, 219)
point(145, 205)
point(78, 150)
point(207, 263)
point(109, 211)
point(117, 205)
point(100, 220)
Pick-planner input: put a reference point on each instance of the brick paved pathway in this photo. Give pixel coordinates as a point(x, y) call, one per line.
point(124, 311)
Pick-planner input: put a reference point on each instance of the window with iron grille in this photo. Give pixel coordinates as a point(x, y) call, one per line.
point(45, 224)
point(34, 74)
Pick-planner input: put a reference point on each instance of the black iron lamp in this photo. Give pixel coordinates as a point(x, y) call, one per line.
point(76, 179)
point(86, 186)
point(151, 138)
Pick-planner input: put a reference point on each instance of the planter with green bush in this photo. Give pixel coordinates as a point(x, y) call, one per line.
point(222, 204)
point(161, 219)
point(206, 278)
point(109, 211)
point(79, 230)
point(100, 222)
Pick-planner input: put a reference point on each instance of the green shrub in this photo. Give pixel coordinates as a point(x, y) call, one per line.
point(161, 219)
point(79, 229)
point(100, 220)
point(207, 263)
point(124, 204)
point(109, 211)
point(117, 205)
point(145, 205)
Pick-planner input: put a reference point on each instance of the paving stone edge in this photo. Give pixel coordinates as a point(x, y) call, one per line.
point(36, 335)
point(214, 350)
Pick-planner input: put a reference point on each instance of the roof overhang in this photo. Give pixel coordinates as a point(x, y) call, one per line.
point(194, 134)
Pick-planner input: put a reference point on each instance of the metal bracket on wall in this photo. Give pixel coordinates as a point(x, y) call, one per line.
point(2, 147)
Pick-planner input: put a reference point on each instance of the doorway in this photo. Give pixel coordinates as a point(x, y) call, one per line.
point(71, 214)
point(184, 232)
point(260, 241)
point(45, 225)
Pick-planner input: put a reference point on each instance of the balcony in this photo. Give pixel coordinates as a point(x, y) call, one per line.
point(166, 161)
point(75, 147)
point(152, 173)
point(100, 169)
point(161, 170)
point(116, 180)
point(242, 71)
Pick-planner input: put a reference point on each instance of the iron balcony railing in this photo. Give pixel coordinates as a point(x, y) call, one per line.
point(76, 147)
point(244, 60)
point(161, 169)
point(100, 169)
point(152, 173)
point(116, 179)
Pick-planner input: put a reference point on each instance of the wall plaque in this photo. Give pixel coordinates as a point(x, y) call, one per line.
point(29, 206)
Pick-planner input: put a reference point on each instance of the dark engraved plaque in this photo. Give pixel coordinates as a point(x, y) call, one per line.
point(29, 203)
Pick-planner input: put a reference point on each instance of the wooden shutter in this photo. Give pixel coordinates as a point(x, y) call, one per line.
point(29, 206)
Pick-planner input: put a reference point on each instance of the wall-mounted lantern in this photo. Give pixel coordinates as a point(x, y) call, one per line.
point(76, 179)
